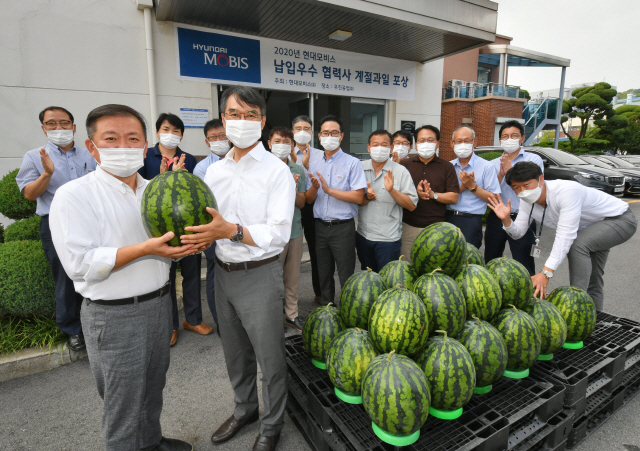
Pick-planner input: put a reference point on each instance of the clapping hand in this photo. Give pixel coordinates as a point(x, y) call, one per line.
point(424, 190)
point(47, 163)
point(394, 157)
point(314, 181)
point(324, 184)
point(179, 164)
point(501, 210)
point(388, 181)
point(163, 166)
point(296, 177)
point(468, 180)
point(306, 155)
point(505, 165)
point(371, 194)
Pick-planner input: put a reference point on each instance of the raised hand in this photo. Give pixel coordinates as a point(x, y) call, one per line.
point(296, 177)
point(501, 210)
point(371, 194)
point(163, 166)
point(388, 181)
point(314, 181)
point(47, 163)
point(424, 190)
point(505, 165)
point(306, 156)
point(394, 157)
point(323, 183)
point(180, 163)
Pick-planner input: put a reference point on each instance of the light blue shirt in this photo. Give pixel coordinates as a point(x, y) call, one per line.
point(486, 178)
point(342, 172)
point(507, 193)
point(315, 154)
point(201, 168)
point(69, 165)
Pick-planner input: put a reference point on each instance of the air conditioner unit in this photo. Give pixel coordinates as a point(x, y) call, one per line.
point(452, 83)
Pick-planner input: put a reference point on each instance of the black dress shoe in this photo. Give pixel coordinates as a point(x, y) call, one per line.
point(229, 428)
point(264, 443)
point(296, 323)
point(170, 444)
point(76, 342)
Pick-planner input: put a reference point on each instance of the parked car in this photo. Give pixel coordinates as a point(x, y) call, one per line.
point(631, 173)
point(633, 159)
point(561, 165)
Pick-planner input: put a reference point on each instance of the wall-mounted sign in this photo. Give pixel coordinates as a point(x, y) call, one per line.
point(408, 126)
point(231, 58)
point(194, 117)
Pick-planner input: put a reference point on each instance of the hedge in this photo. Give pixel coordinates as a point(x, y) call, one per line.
point(24, 229)
point(1, 234)
point(12, 203)
point(26, 285)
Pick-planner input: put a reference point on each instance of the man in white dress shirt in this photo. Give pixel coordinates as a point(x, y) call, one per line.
point(588, 224)
point(255, 194)
point(123, 276)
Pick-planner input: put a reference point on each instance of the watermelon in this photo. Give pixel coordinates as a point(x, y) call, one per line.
point(349, 355)
point(521, 335)
point(449, 370)
point(514, 280)
point(399, 321)
point(487, 349)
point(174, 200)
point(320, 328)
point(446, 307)
point(358, 295)
point(395, 394)
point(577, 309)
point(480, 290)
point(474, 255)
point(552, 326)
point(399, 272)
point(440, 245)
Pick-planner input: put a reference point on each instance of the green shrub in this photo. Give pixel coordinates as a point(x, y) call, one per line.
point(25, 229)
point(490, 155)
point(26, 283)
point(12, 203)
point(23, 333)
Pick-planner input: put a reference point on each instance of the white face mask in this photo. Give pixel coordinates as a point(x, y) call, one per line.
point(330, 143)
point(510, 145)
point(243, 133)
point(426, 150)
point(380, 154)
point(60, 138)
point(302, 137)
point(281, 151)
point(463, 150)
point(530, 196)
point(220, 148)
point(121, 162)
point(169, 140)
point(402, 151)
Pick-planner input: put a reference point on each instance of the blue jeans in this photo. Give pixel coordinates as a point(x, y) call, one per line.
point(470, 226)
point(376, 254)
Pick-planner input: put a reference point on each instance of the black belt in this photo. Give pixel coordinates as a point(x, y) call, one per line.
point(144, 297)
point(462, 213)
point(333, 223)
point(514, 215)
point(245, 265)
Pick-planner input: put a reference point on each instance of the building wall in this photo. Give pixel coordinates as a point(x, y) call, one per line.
point(461, 66)
point(426, 106)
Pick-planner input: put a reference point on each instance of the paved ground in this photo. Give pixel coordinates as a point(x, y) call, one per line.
point(61, 410)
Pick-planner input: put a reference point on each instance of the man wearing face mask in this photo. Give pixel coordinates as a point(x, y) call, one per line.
point(588, 224)
point(336, 184)
point(167, 156)
point(495, 238)
point(389, 191)
point(123, 276)
point(402, 143)
point(478, 180)
point(42, 172)
point(436, 183)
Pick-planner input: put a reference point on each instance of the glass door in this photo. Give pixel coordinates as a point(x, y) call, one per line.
point(367, 116)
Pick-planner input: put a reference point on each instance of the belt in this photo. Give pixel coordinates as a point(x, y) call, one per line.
point(462, 213)
point(514, 215)
point(245, 265)
point(333, 223)
point(144, 297)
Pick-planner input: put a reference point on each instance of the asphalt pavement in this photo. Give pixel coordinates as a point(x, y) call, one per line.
point(61, 409)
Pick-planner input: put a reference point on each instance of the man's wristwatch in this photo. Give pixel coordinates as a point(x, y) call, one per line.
point(473, 190)
point(435, 195)
point(239, 235)
point(366, 195)
point(548, 274)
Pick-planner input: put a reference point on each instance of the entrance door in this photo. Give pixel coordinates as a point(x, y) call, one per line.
point(367, 116)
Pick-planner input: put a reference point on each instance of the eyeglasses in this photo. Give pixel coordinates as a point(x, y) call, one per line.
point(513, 136)
point(334, 133)
point(401, 143)
point(54, 124)
point(299, 128)
point(250, 115)
point(463, 141)
point(218, 137)
point(426, 140)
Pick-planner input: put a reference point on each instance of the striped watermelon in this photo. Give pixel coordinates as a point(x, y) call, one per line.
point(349, 355)
point(174, 200)
point(445, 303)
point(399, 322)
point(552, 326)
point(487, 349)
point(521, 335)
point(514, 280)
point(440, 245)
point(474, 255)
point(399, 272)
point(480, 290)
point(449, 370)
point(358, 295)
point(577, 309)
point(321, 326)
point(395, 394)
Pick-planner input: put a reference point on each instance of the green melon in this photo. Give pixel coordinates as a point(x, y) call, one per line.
point(552, 326)
point(514, 280)
point(440, 245)
point(487, 349)
point(445, 303)
point(521, 335)
point(577, 309)
point(349, 355)
point(320, 328)
point(358, 294)
point(474, 256)
point(480, 290)
point(399, 272)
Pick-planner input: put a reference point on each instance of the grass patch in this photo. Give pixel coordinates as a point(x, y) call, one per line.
point(22, 333)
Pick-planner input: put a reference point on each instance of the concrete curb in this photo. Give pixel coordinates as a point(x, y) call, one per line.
point(36, 360)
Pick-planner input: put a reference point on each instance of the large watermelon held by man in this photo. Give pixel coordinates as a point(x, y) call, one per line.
point(445, 303)
point(522, 337)
point(579, 312)
point(481, 291)
point(174, 200)
point(399, 272)
point(320, 328)
point(514, 280)
point(395, 395)
point(440, 245)
point(552, 326)
point(358, 294)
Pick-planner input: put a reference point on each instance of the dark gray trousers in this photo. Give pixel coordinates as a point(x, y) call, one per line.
point(335, 246)
point(128, 347)
point(249, 307)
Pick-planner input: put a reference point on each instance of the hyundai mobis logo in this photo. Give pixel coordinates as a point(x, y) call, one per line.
point(218, 56)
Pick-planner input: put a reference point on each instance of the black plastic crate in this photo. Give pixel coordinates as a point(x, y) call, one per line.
point(631, 384)
point(553, 435)
point(578, 432)
point(600, 416)
point(300, 362)
point(574, 380)
point(609, 318)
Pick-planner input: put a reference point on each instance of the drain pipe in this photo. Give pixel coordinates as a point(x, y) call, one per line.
point(146, 6)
